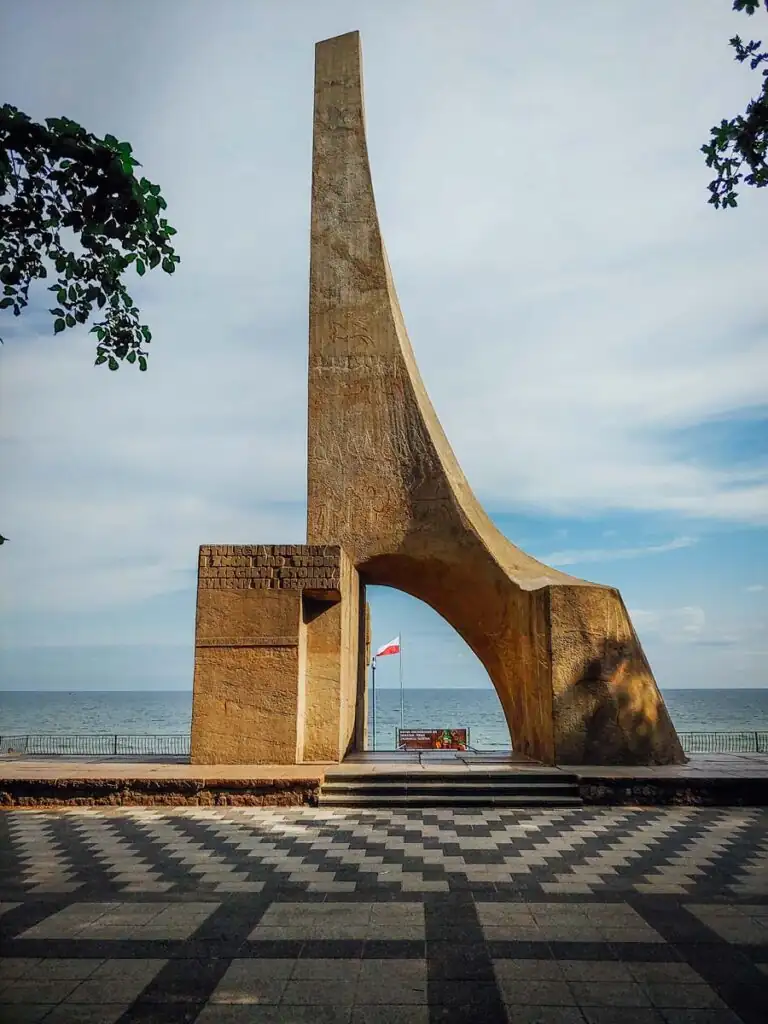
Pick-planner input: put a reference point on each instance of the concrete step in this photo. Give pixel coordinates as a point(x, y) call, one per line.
point(446, 800)
point(452, 789)
point(362, 788)
point(452, 778)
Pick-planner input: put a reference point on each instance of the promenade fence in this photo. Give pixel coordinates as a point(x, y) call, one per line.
point(97, 745)
point(177, 745)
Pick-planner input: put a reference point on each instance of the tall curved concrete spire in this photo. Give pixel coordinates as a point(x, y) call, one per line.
point(384, 483)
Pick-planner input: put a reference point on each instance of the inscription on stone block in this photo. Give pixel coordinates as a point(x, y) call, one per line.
point(269, 567)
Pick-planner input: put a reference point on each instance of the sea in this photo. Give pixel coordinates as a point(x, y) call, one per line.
point(163, 712)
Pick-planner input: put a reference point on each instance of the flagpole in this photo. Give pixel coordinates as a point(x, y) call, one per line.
point(400, 652)
point(373, 698)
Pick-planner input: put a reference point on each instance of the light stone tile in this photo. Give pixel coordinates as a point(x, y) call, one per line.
point(37, 990)
point(654, 972)
point(510, 971)
point(61, 969)
point(16, 966)
point(546, 992)
point(85, 1013)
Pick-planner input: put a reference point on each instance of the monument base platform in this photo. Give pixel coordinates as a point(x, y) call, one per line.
point(723, 780)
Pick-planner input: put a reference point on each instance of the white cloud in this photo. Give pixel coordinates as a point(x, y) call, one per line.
point(672, 625)
point(576, 557)
point(755, 588)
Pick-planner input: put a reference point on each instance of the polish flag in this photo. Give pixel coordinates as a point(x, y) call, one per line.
point(393, 647)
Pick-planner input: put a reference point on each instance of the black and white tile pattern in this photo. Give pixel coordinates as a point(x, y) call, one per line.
point(583, 916)
point(227, 850)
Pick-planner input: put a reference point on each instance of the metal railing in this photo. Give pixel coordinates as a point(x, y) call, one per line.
point(724, 742)
point(97, 745)
point(177, 745)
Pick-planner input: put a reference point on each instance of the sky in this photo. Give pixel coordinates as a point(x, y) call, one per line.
point(591, 332)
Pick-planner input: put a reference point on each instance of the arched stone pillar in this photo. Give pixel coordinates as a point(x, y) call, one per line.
point(384, 483)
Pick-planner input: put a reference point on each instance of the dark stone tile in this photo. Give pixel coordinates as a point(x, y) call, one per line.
point(583, 951)
point(332, 949)
point(395, 949)
point(185, 981)
point(644, 951)
point(453, 961)
point(482, 857)
point(463, 992)
point(713, 1016)
point(499, 949)
point(275, 949)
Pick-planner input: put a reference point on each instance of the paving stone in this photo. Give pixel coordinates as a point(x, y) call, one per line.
point(606, 993)
point(663, 973)
point(57, 968)
point(326, 970)
point(29, 1013)
point(16, 966)
point(544, 1015)
point(320, 992)
point(621, 1015)
point(23, 990)
point(634, 902)
point(104, 1013)
point(681, 995)
point(512, 971)
point(596, 970)
point(392, 981)
point(546, 992)
point(389, 1014)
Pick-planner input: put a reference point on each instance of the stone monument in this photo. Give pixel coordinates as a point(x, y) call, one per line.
point(281, 633)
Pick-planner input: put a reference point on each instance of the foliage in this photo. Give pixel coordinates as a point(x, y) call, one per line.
point(55, 177)
point(743, 139)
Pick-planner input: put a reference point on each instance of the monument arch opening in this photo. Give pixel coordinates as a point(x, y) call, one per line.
point(444, 684)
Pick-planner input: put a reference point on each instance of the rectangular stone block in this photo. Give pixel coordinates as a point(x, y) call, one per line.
point(275, 655)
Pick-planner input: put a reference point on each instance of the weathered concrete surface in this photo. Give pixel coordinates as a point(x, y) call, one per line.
point(276, 654)
point(384, 484)
point(110, 792)
point(71, 781)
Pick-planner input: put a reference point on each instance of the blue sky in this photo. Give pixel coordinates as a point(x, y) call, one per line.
point(592, 334)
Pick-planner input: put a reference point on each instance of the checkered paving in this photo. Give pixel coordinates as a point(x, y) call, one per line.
point(226, 850)
point(223, 916)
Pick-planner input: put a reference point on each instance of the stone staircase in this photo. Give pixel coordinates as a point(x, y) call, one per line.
point(440, 788)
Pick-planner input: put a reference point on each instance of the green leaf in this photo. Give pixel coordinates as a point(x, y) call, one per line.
point(113, 363)
point(57, 311)
point(58, 326)
point(100, 358)
point(131, 357)
point(140, 268)
point(110, 140)
point(101, 333)
point(5, 303)
point(142, 363)
point(147, 335)
point(168, 265)
point(70, 320)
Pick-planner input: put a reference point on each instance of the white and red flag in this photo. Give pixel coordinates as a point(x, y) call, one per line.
point(393, 647)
